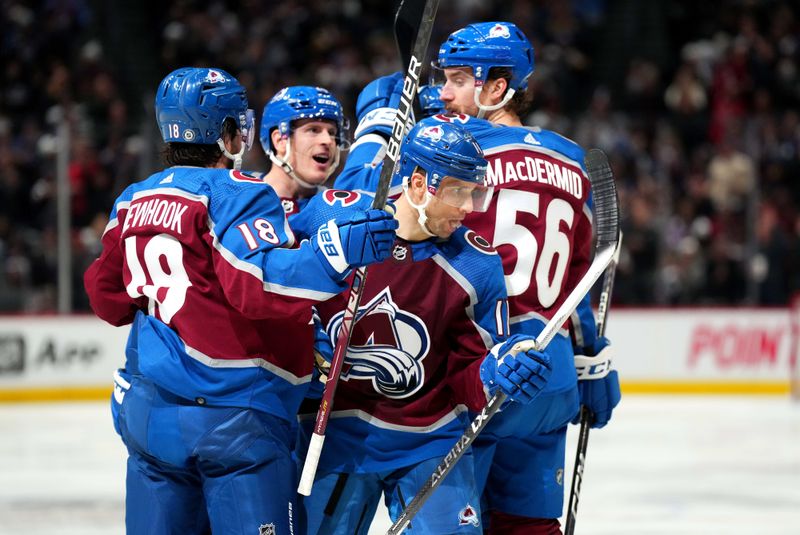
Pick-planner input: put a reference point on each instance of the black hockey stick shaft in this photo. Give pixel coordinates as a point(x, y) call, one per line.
point(586, 416)
point(406, 27)
point(408, 10)
point(607, 224)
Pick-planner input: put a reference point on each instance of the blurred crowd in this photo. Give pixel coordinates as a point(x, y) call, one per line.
point(696, 105)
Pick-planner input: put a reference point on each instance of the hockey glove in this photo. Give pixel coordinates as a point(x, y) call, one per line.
point(598, 384)
point(377, 106)
point(355, 240)
point(520, 376)
point(430, 100)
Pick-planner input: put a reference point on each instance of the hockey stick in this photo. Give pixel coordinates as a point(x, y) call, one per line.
point(406, 27)
point(407, 11)
point(586, 415)
point(606, 216)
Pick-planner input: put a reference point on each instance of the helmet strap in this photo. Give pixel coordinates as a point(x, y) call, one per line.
point(237, 158)
point(422, 217)
point(483, 109)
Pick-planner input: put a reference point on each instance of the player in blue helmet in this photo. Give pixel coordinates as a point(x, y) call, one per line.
point(429, 340)
point(494, 58)
point(199, 260)
point(303, 131)
point(541, 223)
point(450, 157)
point(204, 107)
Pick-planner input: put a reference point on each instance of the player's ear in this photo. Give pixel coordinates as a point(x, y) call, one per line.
point(279, 142)
point(495, 89)
point(419, 184)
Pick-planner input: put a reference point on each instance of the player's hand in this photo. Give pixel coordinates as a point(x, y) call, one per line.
point(355, 240)
point(520, 376)
point(377, 105)
point(598, 383)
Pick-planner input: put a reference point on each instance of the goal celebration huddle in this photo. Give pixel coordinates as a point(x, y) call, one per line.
point(395, 312)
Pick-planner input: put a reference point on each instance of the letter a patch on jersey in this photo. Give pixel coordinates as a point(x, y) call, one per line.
point(387, 347)
point(468, 516)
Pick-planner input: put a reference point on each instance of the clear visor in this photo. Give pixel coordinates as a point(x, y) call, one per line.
point(247, 125)
point(467, 196)
point(460, 74)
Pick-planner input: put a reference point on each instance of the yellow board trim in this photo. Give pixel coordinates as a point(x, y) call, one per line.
point(763, 388)
point(44, 394)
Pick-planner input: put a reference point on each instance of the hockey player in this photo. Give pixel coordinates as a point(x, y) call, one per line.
point(196, 257)
point(303, 131)
point(540, 221)
point(427, 344)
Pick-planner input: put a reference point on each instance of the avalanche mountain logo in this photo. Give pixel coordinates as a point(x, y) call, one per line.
point(468, 516)
point(387, 347)
point(215, 77)
point(500, 30)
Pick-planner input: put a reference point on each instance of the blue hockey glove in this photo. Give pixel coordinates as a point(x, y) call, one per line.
point(377, 105)
point(355, 240)
point(521, 377)
point(598, 384)
point(430, 100)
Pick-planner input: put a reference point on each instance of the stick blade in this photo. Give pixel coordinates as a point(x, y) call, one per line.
point(604, 192)
point(406, 24)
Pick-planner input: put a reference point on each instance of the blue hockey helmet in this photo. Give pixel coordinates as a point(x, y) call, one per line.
point(444, 149)
point(489, 44)
point(430, 100)
point(301, 102)
point(192, 103)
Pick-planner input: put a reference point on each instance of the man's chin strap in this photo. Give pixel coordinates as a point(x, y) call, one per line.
point(422, 217)
point(237, 158)
point(284, 164)
point(483, 109)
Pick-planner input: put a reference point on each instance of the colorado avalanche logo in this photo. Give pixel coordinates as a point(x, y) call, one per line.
point(468, 516)
point(280, 95)
point(433, 132)
point(387, 347)
point(500, 30)
point(215, 77)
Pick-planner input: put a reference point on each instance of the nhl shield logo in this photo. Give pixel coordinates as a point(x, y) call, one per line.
point(400, 252)
point(266, 529)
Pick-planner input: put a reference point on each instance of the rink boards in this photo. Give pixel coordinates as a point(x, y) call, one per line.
point(656, 351)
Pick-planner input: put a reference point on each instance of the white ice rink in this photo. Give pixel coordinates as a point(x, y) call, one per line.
point(664, 466)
